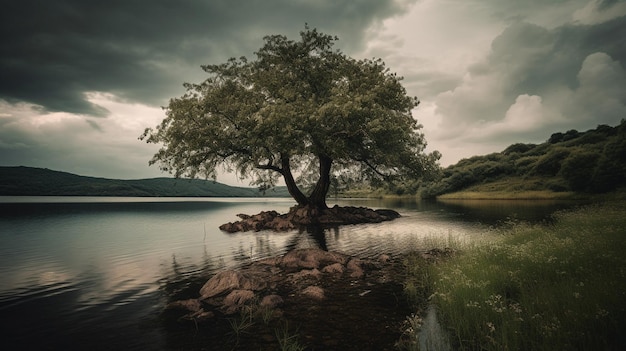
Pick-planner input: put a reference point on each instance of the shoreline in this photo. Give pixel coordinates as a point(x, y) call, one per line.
point(507, 195)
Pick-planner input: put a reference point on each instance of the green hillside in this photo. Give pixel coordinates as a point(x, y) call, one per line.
point(572, 162)
point(21, 181)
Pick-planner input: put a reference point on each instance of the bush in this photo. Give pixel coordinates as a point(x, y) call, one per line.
point(578, 170)
point(611, 170)
point(550, 164)
point(518, 148)
point(539, 150)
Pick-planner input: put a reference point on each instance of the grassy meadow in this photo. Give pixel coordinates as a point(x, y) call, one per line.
point(533, 287)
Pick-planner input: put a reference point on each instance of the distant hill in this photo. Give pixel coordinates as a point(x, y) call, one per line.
point(24, 181)
point(581, 162)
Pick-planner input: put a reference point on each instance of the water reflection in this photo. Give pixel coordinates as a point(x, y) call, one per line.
point(495, 211)
point(88, 274)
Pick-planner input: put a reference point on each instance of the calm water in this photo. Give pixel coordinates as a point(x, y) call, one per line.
point(94, 273)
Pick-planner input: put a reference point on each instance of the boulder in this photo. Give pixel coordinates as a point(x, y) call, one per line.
point(333, 268)
point(224, 282)
point(272, 301)
point(236, 299)
point(191, 305)
point(314, 292)
point(307, 273)
point(298, 276)
point(312, 258)
point(190, 309)
point(355, 268)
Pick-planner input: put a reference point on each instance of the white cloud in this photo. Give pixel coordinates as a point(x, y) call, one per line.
point(524, 115)
point(103, 147)
point(106, 147)
point(600, 95)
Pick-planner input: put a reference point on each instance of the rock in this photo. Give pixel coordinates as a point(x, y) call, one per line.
point(224, 282)
point(229, 227)
point(281, 224)
point(299, 216)
point(314, 292)
point(298, 276)
point(272, 301)
point(389, 214)
point(311, 258)
point(307, 273)
point(199, 316)
point(193, 309)
point(355, 268)
point(333, 268)
point(191, 305)
point(238, 297)
point(271, 261)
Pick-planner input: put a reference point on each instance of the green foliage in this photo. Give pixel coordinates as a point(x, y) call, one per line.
point(611, 170)
point(550, 163)
point(578, 170)
point(591, 161)
point(518, 148)
point(300, 107)
point(560, 287)
point(561, 137)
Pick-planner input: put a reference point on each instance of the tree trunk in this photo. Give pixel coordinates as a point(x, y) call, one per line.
point(293, 189)
point(317, 199)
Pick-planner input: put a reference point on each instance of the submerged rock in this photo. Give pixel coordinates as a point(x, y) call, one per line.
point(326, 302)
point(312, 258)
point(189, 310)
point(276, 281)
point(355, 268)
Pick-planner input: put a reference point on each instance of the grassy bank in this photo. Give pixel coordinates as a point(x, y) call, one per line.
point(561, 287)
point(510, 195)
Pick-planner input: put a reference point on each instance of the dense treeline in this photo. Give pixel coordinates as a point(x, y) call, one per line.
point(19, 181)
point(593, 162)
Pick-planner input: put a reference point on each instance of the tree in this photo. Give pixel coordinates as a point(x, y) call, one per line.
point(300, 108)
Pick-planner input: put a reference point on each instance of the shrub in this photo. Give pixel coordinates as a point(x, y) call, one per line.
point(611, 170)
point(550, 164)
point(578, 169)
point(518, 148)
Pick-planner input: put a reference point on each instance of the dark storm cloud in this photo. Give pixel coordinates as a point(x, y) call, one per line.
point(569, 46)
point(606, 4)
point(53, 52)
point(571, 76)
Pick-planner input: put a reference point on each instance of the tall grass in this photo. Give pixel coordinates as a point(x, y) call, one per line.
point(561, 287)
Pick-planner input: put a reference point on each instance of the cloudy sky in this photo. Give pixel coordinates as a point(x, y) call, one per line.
point(81, 80)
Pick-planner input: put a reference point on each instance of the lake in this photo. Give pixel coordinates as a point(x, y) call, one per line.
point(95, 273)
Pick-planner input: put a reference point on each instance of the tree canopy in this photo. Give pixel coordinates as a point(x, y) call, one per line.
point(301, 108)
